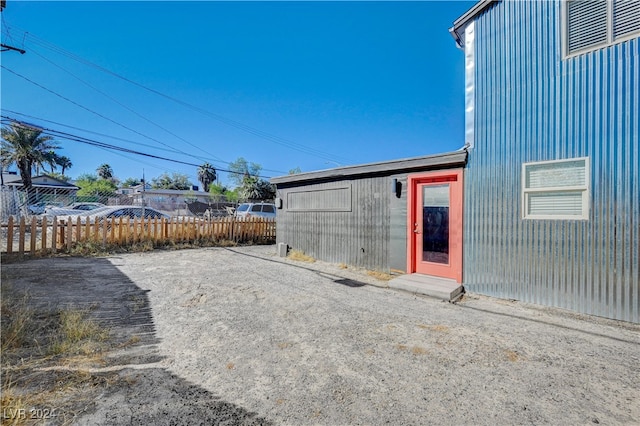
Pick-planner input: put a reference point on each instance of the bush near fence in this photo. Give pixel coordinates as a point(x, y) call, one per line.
point(43, 235)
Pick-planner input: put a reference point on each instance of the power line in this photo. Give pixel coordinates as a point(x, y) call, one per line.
point(130, 109)
point(92, 132)
point(240, 126)
point(81, 139)
point(106, 136)
point(77, 104)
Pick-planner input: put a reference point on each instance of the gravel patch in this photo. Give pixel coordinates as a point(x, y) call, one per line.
point(241, 336)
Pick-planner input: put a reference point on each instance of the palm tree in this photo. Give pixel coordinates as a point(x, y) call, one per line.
point(105, 171)
point(206, 175)
point(64, 162)
point(52, 160)
point(27, 148)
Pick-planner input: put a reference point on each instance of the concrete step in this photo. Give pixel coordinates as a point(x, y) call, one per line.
point(441, 288)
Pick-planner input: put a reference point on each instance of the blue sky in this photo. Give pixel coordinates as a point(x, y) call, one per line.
point(283, 84)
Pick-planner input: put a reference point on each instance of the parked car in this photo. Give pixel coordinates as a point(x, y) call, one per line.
point(125, 212)
point(37, 208)
point(72, 209)
point(267, 210)
point(41, 207)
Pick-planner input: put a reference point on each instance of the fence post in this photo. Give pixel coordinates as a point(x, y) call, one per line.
point(10, 235)
point(134, 237)
point(62, 233)
point(44, 235)
point(54, 234)
point(69, 233)
point(21, 236)
point(96, 229)
point(78, 229)
point(34, 230)
point(155, 229)
point(105, 229)
point(120, 230)
point(87, 229)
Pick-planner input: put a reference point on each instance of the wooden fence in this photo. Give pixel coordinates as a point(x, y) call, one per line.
point(42, 235)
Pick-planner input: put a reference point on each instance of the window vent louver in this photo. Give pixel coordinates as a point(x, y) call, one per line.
point(587, 23)
point(626, 17)
point(556, 189)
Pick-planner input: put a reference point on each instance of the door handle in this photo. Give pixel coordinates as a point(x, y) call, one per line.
point(415, 230)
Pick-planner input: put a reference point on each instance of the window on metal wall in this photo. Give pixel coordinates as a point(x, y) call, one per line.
point(590, 24)
point(556, 189)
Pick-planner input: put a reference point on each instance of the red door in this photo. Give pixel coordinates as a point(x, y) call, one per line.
point(434, 227)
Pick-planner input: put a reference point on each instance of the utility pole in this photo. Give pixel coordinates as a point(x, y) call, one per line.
point(6, 47)
point(144, 184)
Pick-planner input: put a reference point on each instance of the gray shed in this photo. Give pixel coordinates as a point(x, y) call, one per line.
point(357, 215)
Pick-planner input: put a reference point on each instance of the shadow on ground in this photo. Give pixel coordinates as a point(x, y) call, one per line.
point(120, 385)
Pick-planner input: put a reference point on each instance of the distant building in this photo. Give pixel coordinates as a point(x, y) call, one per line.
point(166, 199)
point(42, 185)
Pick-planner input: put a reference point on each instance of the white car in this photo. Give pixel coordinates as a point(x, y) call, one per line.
point(72, 209)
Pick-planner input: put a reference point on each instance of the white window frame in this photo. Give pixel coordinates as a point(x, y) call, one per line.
point(585, 189)
point(564, 25)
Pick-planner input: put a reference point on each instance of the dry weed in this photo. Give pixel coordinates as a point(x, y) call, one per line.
point(17, 320)
point(417, 350)
point(438, 327)
point(382, 276)
point(36, 339)
point(300, 256)
point(77, 334)
point(131, 341)
point(512, 355)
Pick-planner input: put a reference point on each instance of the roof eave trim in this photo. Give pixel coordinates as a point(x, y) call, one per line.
point(458, 25)
point(456, 158)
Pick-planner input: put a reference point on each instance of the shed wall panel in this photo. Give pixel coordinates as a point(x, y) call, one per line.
point(398, 226)
point(535, 105)
point(360, 237)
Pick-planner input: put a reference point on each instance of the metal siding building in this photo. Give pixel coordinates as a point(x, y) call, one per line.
point(551, 186)
point(534, 103)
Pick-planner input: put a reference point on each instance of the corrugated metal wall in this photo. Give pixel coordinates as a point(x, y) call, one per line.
point(372, 234)
point(533, 105)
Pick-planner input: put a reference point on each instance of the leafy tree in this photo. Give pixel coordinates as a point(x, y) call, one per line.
point(254, 188)
point(94, 189)
point(241, 169)
point(27, 148)
point(176, 181)
point(206, 175)
point(232, 196)
point(218, 192)
point(217, 189)
point(131, 181)
point(105, 171)
point(295, 171)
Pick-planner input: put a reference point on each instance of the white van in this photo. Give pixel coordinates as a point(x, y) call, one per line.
point(256, 209)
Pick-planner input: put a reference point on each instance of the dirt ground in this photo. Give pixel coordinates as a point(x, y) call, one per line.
point(241, 336)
